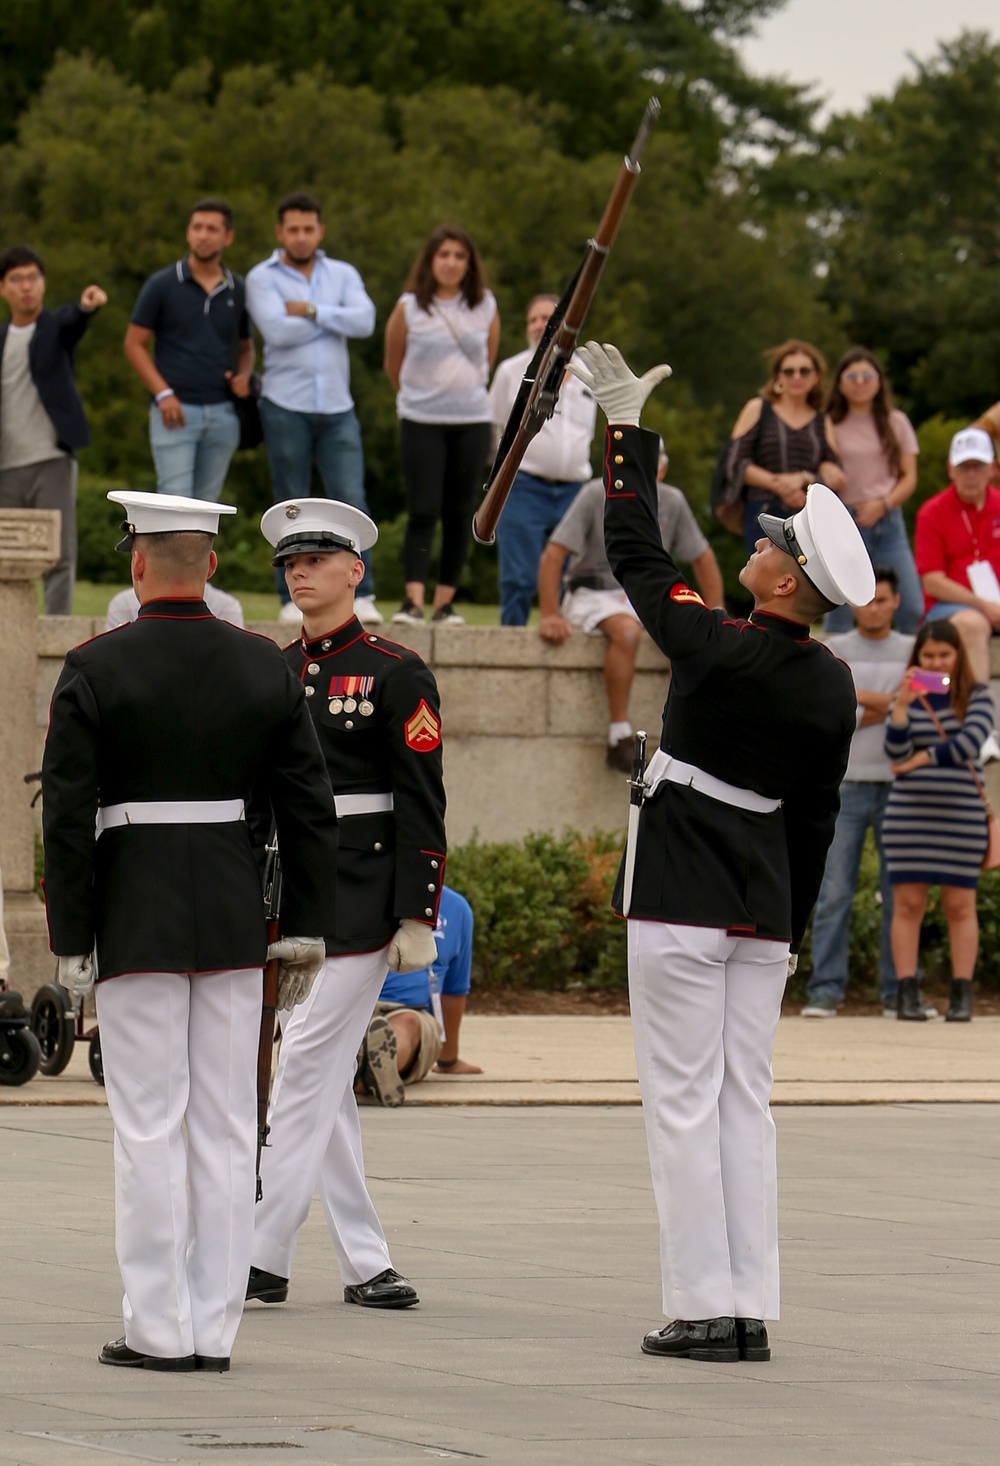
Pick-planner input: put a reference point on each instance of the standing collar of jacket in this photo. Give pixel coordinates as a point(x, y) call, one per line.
point(771, 621)
point(329, 643)
point(181, 608)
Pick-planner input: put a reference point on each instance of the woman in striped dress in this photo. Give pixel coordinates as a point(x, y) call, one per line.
point(935, 821)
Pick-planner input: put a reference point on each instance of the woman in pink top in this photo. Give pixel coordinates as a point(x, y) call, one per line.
point(878, 452)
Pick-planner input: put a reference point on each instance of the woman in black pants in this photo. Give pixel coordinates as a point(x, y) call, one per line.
point(440, 344)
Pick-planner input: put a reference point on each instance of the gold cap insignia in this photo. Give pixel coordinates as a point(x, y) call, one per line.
point(292, 512)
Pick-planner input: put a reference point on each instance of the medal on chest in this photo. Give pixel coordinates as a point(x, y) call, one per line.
point(350, 694)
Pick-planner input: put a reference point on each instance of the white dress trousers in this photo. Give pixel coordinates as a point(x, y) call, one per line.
point(705, 1009)
point(315, 1130)
point(180, 1068)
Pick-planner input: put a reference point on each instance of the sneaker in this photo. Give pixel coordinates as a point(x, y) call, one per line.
point(378, 1072)
point(619, 756)
point(290, 613)
point(367, 612)
point(990, 751)
point(447, 616)
point(819, 1008)
point(409, 614)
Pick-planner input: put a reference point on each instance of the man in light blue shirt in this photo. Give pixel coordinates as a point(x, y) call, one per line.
point(307, 306)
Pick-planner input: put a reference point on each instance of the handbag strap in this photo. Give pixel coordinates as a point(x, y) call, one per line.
point(968, 763)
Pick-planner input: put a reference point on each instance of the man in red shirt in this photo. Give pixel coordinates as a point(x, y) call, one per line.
point(957, 548)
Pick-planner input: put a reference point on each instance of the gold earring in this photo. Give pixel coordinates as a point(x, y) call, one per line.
point(778, 388)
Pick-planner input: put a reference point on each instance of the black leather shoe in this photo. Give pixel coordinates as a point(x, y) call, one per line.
point(751, 1335)
point(116, 1351)
point(266, 1287)
point(713, 1339)
point(960, 1006)
point(388, 1290)
point(908, 1004)
point(212, 1363)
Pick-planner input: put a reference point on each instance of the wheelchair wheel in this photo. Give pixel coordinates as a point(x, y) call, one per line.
point(94, 1058)
point(20, 1055)
point(53, 1023)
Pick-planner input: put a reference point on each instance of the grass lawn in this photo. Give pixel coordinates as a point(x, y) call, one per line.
point(92, 600)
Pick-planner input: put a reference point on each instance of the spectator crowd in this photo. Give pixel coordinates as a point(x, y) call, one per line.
point(925, 711)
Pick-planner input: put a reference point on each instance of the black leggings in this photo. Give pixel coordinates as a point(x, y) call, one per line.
point(443, 464)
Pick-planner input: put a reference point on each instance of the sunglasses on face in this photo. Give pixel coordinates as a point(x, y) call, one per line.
point(860, 376)
point(798, 371)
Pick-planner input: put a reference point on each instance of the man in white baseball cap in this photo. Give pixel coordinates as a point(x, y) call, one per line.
point(957, 547)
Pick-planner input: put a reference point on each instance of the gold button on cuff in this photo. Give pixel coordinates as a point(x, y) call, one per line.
point(378, 844)
point(434, 865)
point(619, 484)
point(618, 435)
point(428, 911)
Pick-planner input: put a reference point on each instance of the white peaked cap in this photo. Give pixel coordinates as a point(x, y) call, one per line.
point(824, 540)
point(166, 514)
point(316, 527)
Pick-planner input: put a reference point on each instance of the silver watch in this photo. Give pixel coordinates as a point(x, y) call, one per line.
point(311, 311)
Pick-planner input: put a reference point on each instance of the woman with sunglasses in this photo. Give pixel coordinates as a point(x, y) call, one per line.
point(781, 442)
point(878, 451)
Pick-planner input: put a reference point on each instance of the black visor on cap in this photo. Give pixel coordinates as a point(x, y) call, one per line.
point(310, 542)
point(781, 532)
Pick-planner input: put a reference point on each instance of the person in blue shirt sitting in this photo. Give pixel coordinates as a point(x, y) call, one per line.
point(414, 1030)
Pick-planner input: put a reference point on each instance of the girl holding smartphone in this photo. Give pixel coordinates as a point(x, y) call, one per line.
point(935, 821)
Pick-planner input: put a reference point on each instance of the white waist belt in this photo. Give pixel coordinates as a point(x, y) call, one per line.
point(362, 804)
point(170, 812)
point(675, 771)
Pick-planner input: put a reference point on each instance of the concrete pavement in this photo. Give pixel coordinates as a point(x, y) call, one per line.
point(541, 1060)
point(531, 1235)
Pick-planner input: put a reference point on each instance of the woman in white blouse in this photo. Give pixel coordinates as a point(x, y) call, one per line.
point(440, 344)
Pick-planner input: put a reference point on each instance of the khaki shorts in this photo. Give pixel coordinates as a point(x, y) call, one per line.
point(430, 1040)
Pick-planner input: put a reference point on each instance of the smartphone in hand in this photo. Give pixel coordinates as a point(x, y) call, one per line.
point(929, 681)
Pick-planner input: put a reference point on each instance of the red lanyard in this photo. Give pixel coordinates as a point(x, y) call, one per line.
point(974, 537)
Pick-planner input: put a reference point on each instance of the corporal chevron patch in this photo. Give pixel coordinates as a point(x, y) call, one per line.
point(423, 730)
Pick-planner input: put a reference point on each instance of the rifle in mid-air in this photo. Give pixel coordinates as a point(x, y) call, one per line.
point(269, 1006)
point(539, 391)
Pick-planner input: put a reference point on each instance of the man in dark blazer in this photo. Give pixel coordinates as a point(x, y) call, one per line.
point(160, 732)
point(738, 810)
point(42, 423)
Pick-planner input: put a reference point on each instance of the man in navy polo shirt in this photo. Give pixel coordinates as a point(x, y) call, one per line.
point(195, 310)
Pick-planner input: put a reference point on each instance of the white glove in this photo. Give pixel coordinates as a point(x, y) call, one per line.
point(301, 959)
point(618, 390)
point(77, 975)
point(793, 962)
point(412, 948)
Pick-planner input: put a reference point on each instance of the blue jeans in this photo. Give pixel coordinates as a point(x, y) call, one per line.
point(530, 515)
point(193, 460)
point(292, 439)
point(887, 543)
point(861, 806)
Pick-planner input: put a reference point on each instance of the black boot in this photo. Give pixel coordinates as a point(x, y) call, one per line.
point(908, 1004)
point(960, 1007)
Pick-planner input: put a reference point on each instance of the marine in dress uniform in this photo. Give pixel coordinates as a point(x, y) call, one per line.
point(160, 732)
point(740, 803)
point(375, 707)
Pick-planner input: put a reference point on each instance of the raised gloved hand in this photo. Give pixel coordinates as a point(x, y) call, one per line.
point(793, 962)
point(619, 392)
point(77, 975)
point(412, 948)
point(301, 959)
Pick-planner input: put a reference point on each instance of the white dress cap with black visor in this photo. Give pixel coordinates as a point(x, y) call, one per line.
point(316, 527)
point(166, 514)
point(824, 541)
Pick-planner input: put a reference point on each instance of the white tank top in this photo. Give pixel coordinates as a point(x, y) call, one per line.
point(446, 362)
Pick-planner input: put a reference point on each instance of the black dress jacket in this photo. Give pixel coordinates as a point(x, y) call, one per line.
point(50, 361)
point(754, 702)
point(180, 706)
point(376, 710)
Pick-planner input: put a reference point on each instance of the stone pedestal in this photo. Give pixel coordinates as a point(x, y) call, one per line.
point(29, 545)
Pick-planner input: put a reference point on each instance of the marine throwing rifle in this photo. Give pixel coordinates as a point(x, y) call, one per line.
point(539, 391)
point(272, 969)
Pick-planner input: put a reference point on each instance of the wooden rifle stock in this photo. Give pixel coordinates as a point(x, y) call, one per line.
point(269, 1004)
point(539, 392)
